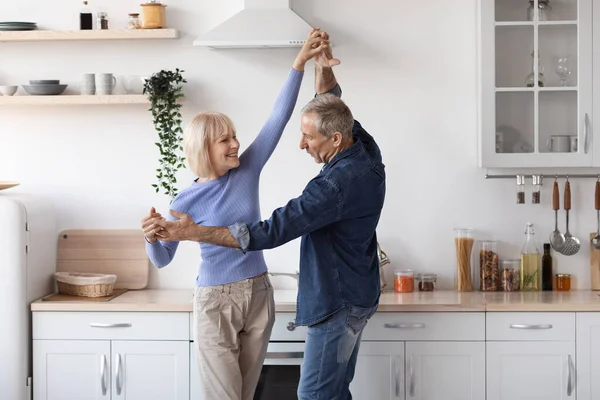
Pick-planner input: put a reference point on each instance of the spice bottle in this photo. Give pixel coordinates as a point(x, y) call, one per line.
point(530, 261)
point(520, 189)
point(133, 21)
point(536, 190)
point(85, 17)
point(546, 268)
point(102, 21)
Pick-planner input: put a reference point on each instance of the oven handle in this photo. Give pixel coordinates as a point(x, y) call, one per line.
point(286, 355)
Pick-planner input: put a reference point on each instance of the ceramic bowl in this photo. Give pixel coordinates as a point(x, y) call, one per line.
point(134, 84)
point(45, 82)
point(8, 90)
point(44, 90)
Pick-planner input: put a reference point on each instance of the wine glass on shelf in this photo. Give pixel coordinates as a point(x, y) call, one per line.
point(563, 69)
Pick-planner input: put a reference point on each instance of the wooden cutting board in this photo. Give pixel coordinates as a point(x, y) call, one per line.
point(594, 265)
point(119, 252)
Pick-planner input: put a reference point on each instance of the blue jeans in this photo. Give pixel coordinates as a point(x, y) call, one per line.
point(330, 355)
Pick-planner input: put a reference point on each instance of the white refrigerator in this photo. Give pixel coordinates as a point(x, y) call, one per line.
point(27, 264)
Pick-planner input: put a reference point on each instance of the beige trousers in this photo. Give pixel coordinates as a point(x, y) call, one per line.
point(232, 327)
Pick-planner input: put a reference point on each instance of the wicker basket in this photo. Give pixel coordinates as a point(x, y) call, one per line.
point(85, 284)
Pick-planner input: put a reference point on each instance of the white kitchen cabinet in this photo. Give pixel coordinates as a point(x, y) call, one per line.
point(111, 355)
point(588, 356)
point(71, 370)
point(517, 117)
point(379, 371)
point(150, 370)
point(531, 370)
point(445, 370)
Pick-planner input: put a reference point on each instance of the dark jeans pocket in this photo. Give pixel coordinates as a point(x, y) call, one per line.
point(358, 316)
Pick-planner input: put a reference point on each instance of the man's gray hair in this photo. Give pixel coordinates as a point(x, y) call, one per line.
point(333, 115)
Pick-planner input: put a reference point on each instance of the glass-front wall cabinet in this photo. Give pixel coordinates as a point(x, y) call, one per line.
point(535, 83)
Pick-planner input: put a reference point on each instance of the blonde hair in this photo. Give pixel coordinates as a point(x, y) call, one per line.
point(333, 115)
point(204, 129)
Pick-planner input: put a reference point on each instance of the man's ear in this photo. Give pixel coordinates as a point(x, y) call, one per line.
point(337, 139)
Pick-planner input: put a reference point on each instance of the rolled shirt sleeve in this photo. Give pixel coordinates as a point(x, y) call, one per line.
point(241, 234)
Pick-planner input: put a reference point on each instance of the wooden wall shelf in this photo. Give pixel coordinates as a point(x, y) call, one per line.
point(74, 100)
point(109, 34)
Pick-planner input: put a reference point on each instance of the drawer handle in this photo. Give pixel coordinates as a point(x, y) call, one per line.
point(284, 355)
point(404, 326)
point(116, 325)
point(524, 326)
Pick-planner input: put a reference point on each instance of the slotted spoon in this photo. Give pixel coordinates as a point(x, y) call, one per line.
point(572, 244)
point(557, 239)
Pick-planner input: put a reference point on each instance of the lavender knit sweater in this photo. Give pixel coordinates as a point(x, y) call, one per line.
point(231, 198)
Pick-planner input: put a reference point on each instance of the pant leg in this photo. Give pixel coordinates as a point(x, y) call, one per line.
point(217, 320)
point(254, 338)
point(331, 353)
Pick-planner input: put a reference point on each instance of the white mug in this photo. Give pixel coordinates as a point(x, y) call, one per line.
point(105, 83)
point(88, 84)
point(559, 143)
point(574, 147)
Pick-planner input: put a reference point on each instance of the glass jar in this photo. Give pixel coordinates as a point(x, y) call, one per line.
point(133, 22)
point(489, 268)
point(510, 276)
point(544, 10)
point(463, 244)
point(563, 282)
point(530, 80)
point(520, 189)
point(102, 21)
point(536, 181)
point(404, 281)
point(426, 282)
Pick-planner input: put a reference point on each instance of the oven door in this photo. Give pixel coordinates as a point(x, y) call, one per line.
point(280, 373)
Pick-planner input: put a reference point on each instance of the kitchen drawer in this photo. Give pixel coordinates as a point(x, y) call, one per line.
point(281, 330)
point(446, 326)
point(530, 326)
point(111, 325)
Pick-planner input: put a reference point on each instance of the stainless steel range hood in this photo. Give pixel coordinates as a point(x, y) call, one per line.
point(261, 24)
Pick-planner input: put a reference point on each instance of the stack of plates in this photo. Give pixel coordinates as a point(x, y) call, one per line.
point(44, 87)
point(17, 26)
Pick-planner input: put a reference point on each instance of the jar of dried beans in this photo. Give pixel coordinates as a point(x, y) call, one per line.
point(489, 268)
point(404, 281)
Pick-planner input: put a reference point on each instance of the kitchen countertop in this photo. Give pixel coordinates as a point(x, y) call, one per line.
point(155, 300)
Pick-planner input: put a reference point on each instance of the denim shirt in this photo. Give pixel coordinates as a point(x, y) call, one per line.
point(336, 215)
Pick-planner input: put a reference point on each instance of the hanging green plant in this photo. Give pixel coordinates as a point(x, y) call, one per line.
point(164, 89)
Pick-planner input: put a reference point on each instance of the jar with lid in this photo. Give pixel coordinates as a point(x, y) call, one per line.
point(510, 276)
point(563, 282)
point(463, 245)
point(133, 22)
point(404, 281)
point(544, 10)
point(489, 268)
point(520, 189)
point(102, 21)
point(154, 15)
point(426, 282)
point(536, 181)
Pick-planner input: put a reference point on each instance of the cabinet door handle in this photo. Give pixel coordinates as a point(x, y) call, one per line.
point(525, 326)
point(404, 326)
point(119, 375)
point(103, 366)
point(411, 371)
point(571, 375)
point(586, 126)
point(116, 325)
point(397, 376)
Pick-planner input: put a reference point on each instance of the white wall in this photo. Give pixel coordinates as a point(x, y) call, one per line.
point(408, 73)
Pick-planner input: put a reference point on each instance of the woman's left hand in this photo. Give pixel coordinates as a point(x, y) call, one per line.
point(313, 46)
